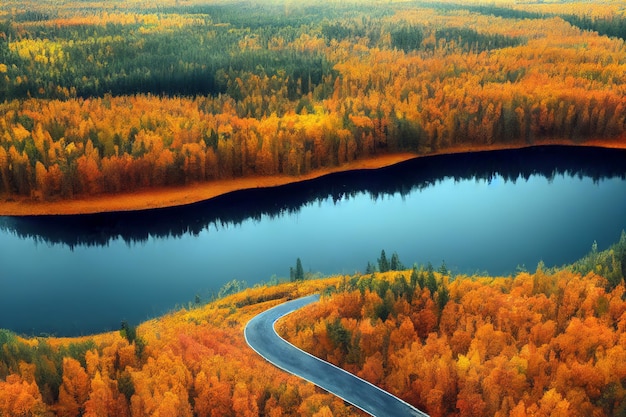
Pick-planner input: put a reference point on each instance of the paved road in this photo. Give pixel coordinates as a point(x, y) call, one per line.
point(262, 337)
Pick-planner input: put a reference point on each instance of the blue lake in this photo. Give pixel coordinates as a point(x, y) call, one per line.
point(482, 212)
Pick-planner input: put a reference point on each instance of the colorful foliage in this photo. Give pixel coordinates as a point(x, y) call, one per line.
point(102, 100)
point(192, 363)
point(534, 344)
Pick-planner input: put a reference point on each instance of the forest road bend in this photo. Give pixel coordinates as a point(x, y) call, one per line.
point(262, 337)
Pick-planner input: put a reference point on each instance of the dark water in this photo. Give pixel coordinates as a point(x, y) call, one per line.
point(481, 212)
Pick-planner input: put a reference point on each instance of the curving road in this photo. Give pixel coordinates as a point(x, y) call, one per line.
point(261, 336)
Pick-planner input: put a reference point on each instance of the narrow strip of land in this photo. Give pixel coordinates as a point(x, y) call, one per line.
point(177, 196)
point(261, 336)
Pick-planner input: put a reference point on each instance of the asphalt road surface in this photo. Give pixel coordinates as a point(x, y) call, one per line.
point(262, 337)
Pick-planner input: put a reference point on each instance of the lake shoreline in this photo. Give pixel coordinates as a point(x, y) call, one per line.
point(180, 196)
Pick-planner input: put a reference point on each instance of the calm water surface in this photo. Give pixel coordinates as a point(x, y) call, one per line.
point(480, 213)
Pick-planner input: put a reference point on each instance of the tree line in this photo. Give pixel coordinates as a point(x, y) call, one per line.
point(613, 25)
point(127, 100)
point(539, 344)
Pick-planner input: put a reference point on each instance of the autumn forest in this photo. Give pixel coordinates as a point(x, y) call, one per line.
point(116, 97)
point(105, 99)
point(548, 343)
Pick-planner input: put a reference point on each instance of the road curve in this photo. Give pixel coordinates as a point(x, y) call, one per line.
point(261, 336)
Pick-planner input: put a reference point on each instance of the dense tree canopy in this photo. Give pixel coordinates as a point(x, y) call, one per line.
point(194, 363)
point(100, 99)
point(518, 346)
point(116, 96)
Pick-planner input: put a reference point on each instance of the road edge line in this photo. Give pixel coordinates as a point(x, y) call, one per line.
point(419, 412)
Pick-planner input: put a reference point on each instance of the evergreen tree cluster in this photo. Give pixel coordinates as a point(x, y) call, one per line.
point(384, 264)
point(196, 59)
point(419, 278)
point(411, 38)
point(609, 263)
point(297, 273)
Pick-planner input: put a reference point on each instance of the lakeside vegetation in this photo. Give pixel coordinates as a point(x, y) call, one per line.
point(188, 363)
point(108, 98)
point(552, 342)
point(548, 343)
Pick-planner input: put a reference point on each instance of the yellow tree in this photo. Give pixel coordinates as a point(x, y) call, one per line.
point(213, 397)
point(100, 402)
point(244, 401)
point(4, 171)
point(165, 374)
point(18, 397)
point(41, 175)
point(74, 390)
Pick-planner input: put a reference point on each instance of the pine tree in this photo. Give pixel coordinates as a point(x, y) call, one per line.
point(443, 296)
point(297, 274)
point(414, 278)
point(128, 331)
point(443, 269)
point(431, 282)
point(396, 265)
point(383, 263)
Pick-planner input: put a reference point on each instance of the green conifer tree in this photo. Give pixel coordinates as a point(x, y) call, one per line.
point(395, 264)
point(297, 274)
point(383, 263)
point(431, 282)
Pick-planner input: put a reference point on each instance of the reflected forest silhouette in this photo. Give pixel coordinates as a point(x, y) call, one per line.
point(234, 208)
